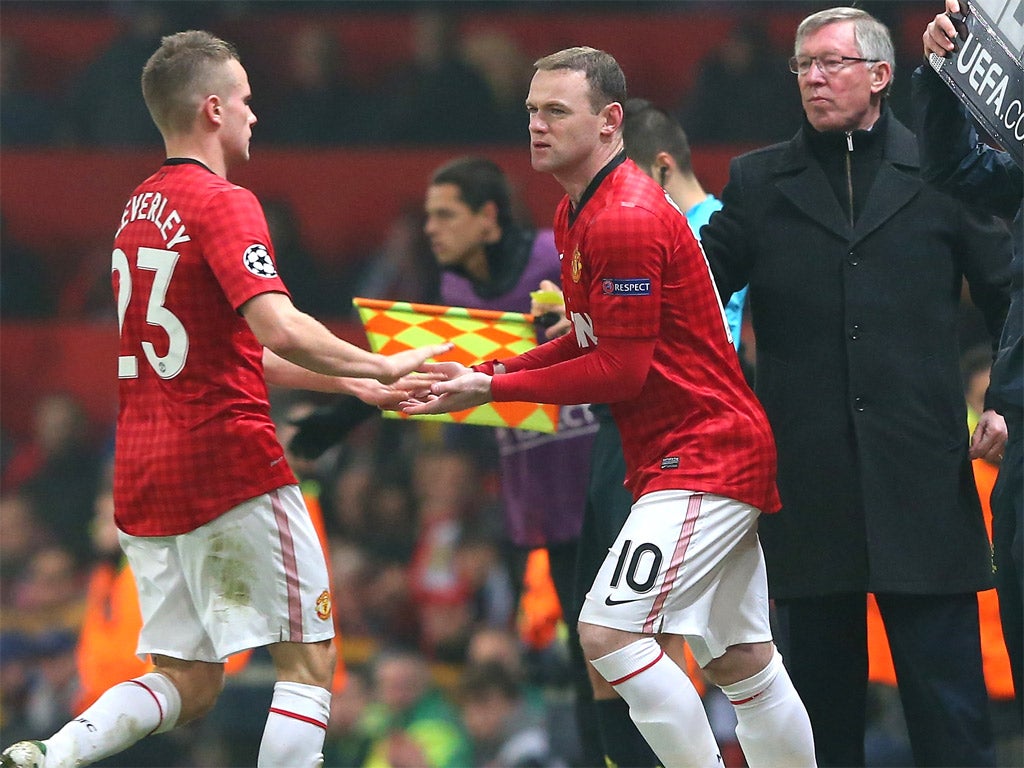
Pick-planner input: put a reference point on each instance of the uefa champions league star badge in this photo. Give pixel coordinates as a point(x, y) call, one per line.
point(257, 260)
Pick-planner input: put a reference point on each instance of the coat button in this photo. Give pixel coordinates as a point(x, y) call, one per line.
point(854, 332)
point(858, 403)
point(851, 259)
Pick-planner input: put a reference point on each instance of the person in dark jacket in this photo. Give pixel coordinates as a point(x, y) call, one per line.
point(954, 160)
point(855, 267)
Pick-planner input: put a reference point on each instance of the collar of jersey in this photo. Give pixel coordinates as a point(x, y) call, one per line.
point(614, 163)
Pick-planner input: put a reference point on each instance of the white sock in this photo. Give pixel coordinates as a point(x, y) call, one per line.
point(296, 727)
point(771, 722)
point(663, 703)
point(120, 717)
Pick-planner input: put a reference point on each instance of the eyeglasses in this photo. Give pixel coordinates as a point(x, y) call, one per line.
point(829, 65)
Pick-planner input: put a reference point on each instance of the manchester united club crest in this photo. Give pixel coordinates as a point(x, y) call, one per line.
point(576, 265)
point(323, 606)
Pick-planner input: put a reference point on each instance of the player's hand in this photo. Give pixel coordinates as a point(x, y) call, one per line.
point(989, 438)
point(940, 35)
point(401, 363)
point(390, 396)
point(550, 314)
point(458, 394)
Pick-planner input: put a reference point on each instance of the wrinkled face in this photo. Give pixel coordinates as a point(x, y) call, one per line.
point(238, 118)
point(563, 127)
point(842, 101)
point(455, 230)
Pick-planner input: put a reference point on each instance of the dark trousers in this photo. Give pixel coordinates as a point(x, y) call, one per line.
point(936, 650)
point(1008, 546)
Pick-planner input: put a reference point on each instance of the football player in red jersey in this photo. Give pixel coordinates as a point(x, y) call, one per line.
point(649, 337)
point(210, 515)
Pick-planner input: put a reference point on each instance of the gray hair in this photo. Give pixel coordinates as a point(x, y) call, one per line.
point(871, 36)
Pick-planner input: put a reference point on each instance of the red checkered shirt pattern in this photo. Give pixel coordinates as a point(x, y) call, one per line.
point(631, 269)
point(194, 433)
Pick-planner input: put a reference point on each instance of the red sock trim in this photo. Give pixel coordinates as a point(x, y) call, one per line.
point(297, 716)
point(160, 709)
point(744, 701)
point(637, 672)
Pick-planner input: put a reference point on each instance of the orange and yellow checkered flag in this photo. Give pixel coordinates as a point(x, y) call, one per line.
point(478, 335)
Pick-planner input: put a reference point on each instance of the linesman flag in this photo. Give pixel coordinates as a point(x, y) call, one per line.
point(478, 335)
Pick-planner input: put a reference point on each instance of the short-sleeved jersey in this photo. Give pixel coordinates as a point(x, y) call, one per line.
point(194, 433)
point(631, 268)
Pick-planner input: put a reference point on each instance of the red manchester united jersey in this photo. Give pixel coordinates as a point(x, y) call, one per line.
point(194, 434)
point(631, 268)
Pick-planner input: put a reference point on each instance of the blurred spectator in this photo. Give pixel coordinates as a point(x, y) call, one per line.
point(438, 97)
point(104, 653)
point(315, 102)
point(57, 471)
point(101, 110)
point(85, 291)
point(507, 69)
point(26, 117)
point(446, 484)
point(480, 565)
point(54, 682)
point(348, 739)
point(20, 537)
point(49, 598)
point(412, 721)
point(25, 288)
point(403, 269)
point(40, 626)
point(15, 680)
point(743, 92)
point(505, 732)
point(311, 289)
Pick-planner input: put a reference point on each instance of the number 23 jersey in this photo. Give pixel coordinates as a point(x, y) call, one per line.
point(194, 433)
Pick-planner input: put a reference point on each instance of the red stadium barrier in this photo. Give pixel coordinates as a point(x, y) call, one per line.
point(65, 202)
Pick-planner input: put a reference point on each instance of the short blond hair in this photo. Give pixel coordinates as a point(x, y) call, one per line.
point(183, 70)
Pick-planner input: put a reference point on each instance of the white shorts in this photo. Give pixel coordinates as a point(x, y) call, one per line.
point(254, 576)
point(688, 564)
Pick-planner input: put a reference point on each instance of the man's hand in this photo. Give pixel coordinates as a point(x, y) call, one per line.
point(390, 396)
point(466, 391)
point(541, 308)
point(401, 363)
point(940, 34)
point(989, 438)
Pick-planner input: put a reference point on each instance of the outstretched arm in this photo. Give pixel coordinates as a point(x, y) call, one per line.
point(615, 370)
point(296, 338)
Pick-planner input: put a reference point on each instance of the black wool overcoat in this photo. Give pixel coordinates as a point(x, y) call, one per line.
point(857, 366)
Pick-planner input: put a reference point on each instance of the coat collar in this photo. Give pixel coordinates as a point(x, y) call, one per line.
point(800, 178)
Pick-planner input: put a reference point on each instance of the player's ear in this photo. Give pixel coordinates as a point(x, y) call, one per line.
point(212, 109)
point(612, 119)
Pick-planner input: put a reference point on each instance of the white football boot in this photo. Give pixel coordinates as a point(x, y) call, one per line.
point(24, 754)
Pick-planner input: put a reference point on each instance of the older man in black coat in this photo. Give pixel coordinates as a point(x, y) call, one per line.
point(855, 269)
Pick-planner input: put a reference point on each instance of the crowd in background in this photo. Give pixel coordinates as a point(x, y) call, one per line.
point(445, 662)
